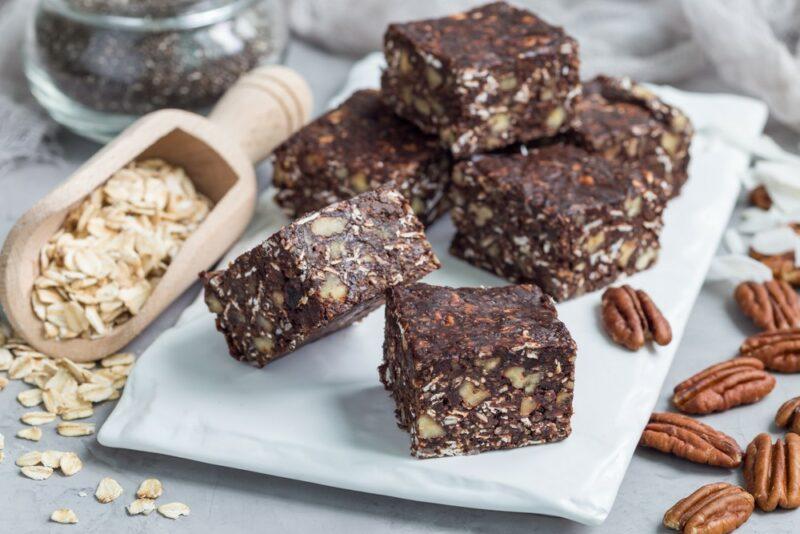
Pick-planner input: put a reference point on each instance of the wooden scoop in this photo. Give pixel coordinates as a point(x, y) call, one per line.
point(261, 110)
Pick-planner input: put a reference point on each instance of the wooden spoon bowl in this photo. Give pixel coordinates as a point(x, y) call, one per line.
point(261, 110)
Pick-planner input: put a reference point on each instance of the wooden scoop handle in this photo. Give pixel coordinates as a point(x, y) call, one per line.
point(264, 108)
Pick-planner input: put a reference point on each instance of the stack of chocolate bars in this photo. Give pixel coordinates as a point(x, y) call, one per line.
point(551, 183)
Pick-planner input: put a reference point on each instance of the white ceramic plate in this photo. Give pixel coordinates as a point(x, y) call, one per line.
point(320, 415)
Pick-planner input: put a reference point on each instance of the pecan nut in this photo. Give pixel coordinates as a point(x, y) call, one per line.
point(772, 471)
point(684, 437)
point(778, 350)
point(788, 415)
point(772, 305)
point(782, 266)
point(724, 386)
point(713, 509)
point(631, 317)
point(759, 198)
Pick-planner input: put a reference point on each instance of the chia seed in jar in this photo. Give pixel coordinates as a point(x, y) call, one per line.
point(131, 57)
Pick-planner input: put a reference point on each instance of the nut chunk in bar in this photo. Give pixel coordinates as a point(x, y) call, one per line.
point(317, 275)
point(360, 146)
point(477, 369)
point(627, 123)
point(483, 79)
point(557, 216)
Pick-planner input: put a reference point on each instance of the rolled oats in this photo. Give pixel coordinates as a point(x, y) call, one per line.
point(173, 510)
point(149, 489)
point(30, 397)
point(31, 434)
point(108, 490)
point(37, 418)
point(64, 516)
point(37, 472)
point(75, 429)
point(141, 506)
point(70, 464)
point(99, 268)
point(52, 458)
point(29, 459)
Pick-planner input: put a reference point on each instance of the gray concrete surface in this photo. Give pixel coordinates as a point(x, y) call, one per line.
point(226, 500)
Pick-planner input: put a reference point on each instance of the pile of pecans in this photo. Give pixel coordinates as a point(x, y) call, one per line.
point(770, 469)
point(99, 268)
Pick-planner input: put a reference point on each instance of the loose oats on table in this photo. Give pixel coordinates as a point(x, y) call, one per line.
point(100, 267)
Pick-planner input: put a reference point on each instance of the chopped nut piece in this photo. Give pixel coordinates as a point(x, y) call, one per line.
point(428, 428)
point(108, 490)
point(472, 395)
point(149, 489)
point(31, 434)
point(173, 510)
point(75, 429)
point(141, 506)
point(37, 472)
point(64, 516)
point(328, 226)
point(37, 418)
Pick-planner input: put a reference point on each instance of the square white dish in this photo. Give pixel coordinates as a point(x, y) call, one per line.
point(320, 415)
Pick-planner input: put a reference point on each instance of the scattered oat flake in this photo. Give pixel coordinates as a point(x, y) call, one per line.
point(37, 418)
point(3, 383)
point(30, 397)
point(108, 490)
point(52, 458)
point(141, 506)
point(64, 516)
point(121, 358)
point(173, 510)
point(95, 392)
point(150, 489)
point(21, 367)
point(37, 472)
point(31, 434)
point(70, 429)
point(5, 359)
point(70, 464)
point(77, 413)
point(29, 458)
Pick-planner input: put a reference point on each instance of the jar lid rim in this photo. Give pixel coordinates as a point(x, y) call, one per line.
point(206, 13)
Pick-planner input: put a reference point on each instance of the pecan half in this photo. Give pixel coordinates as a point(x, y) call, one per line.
point(631, 317)
point(779, 350)
point(772, 471)
point(788, 415)
point(713, 509)
point(684, 437)
point(781, 265)
point(772, 305)
point(724, 386)
point(759, 198)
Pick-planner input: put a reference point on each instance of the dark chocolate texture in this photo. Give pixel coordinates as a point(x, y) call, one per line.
point(477, 369)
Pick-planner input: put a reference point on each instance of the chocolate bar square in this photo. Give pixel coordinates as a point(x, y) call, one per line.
point(317, 275)
point(483, 79)
point(628, 124)
point(557, 216)
point(357, 147)
point(477, 369)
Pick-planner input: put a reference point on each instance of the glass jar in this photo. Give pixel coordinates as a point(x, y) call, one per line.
point(98, 65)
